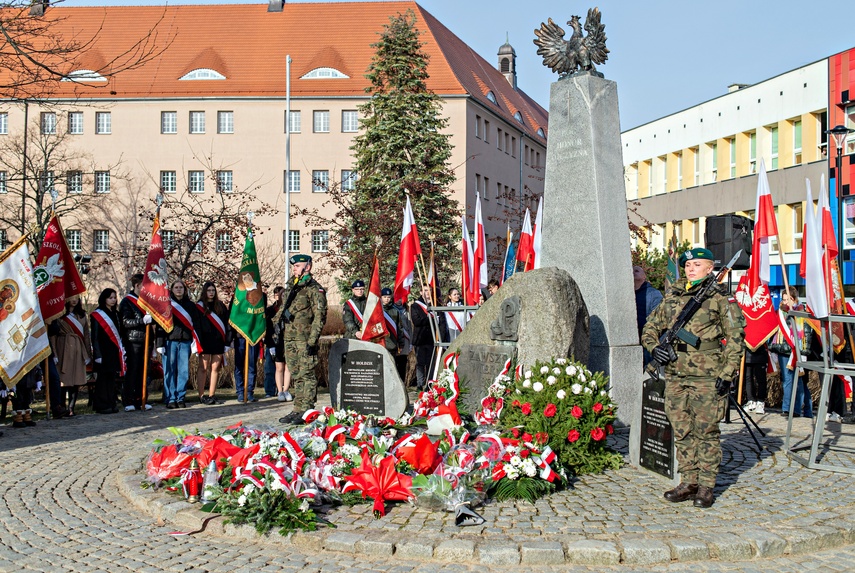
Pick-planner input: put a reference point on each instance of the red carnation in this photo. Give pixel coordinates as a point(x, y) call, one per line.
point(597, 434)
point(610, 429)
point(541, 437)
point(515, 403)
point(489, 402)
point(572, 436)
point(598, 408)
point(526, 437)
point(526, 408)
point(550, 410)
point(576, 412)
point(525, 453)
point(515, 432)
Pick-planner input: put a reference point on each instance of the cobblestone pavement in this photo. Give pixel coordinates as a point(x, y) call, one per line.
point(73, 503)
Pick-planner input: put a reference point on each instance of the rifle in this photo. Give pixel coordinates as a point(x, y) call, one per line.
point(677, 330)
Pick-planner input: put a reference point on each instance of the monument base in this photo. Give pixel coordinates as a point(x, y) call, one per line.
point(623, 364)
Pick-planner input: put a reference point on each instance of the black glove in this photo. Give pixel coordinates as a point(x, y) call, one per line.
point(311, 349)
point(287, 317)
point(664, 354)
point(722, 386)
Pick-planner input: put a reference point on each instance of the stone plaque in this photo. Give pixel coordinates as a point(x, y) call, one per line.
point(477, 367)
point(656, 448)
point(362, 382)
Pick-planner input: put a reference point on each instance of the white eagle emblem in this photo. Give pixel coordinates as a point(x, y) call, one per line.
point(157, 274)
point(758, 301)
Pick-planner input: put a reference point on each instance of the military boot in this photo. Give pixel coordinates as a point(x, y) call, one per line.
point(28, 417)
point(18, 419)
point(704, 498)
point(682, 492)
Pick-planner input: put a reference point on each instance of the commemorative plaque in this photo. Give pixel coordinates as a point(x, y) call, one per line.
point(477, 367)
point(656, 448)
point(363, 378)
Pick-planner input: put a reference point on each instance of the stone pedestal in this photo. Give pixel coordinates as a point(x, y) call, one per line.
point(585, 227)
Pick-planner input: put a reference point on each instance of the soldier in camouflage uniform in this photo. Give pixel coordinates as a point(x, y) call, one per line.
point(698, 381)
point(299, 321)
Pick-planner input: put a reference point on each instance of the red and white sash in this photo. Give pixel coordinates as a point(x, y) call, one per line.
point(390, 325)
point(106, 323)
point(355, 310)
point(423, 306)
point(215, 320)
point(74, 324)
point(184, 318)
point(455, 320)
point(135, 301)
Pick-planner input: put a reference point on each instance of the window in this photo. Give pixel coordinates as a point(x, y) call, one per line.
point(321, 123)
point(48, 123)
point(850, 123)
point(203, 74)
point(797, 142)
point(3, 179)
point(74, 238)
point(168, 181)
point(168, 122)
point(103, 123)
point(320, 241)
point(168, 237)
point(507, 142)
point(774, 136)
point(679, 171)
point(293, 181)
point(513, 146)
point(294, 243)
point(197, 122)
point(499, 139)
point(798, 226)
point(492, 97)
point(714, 162)
point(46, 181)
point(75, 122)
point(101, 241)
point(196, 180)
point(478, 126)
point(320, 181)
point(84, 76)
point(541, 133)
point(663, 174)
point(518, 117)
point(194, 241)
point(732, 146)
point(225, 122)
point(225, 182)
point(295, 122)
point(525, 154)
point(74, 182)
point(697, 157)
point(349, 121)
point(486, 131)
point(696, 231)
point(102, 181)
point(498, 190)
point(324, 73)
point(224, 242)
point(477, 183)
point(4, 123)
point(486, 186)
point(348, 180)
point(537, 160)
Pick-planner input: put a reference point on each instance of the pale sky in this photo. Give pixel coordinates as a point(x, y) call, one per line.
point(666, 55)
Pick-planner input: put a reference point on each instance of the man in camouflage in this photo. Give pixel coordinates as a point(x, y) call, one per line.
point(698, 380)
point(300, 320)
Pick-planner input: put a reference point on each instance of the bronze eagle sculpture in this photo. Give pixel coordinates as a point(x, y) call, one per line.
point(579, 53)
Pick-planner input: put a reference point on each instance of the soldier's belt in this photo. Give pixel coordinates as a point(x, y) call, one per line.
point(705, 345)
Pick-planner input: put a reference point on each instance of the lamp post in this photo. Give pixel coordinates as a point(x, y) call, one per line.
point(839, 134)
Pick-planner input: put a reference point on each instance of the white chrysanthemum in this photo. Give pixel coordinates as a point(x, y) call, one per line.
point(544, 369)
point(242, 500)
point(537, 386)
point(550, 380)
point(322, 419)
point(304, 507)
point(511, 472)
point(603, 392)
point(556, 371)
point(248, 488)
point(561, 361)
point(592, 383)
point(516, 460)
point(512, 450)
point(277, 485)
point(582, 378)
point(561, 394)
point(518, 391)
point(529, 467)
point(587, 390)
point(526, 383)
point(317, 445)
point(528, 373)
point(570, 370)
point(576, 388)
point(349, 451)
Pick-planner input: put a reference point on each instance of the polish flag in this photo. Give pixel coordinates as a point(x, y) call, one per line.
point(374, 329)
point(432, 281)
point(765, 227)
point(467, 263)
point(536, 240)
point(831, 271)
point(811, 270)
point(479, 269)
point(409, 250)
point(525, 251)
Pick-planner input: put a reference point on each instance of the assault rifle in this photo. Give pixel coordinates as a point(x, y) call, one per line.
point(677, 330)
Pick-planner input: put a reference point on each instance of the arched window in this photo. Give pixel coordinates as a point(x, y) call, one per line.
point(518, 117)
point(203, 74)
point(505, 66)
point(84, 76)
point(541, 133)
point(492, 97)
point(324, 74)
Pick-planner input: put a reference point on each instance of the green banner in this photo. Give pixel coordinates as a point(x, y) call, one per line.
point(247, 314)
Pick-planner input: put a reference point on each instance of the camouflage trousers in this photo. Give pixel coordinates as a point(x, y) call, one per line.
point(304, 382)
point(695, 409)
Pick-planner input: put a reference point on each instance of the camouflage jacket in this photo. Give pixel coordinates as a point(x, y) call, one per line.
point(717, 320)
point(308, 307)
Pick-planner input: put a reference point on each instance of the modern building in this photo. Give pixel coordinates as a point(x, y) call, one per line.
point(208, 115)
point(703, 161)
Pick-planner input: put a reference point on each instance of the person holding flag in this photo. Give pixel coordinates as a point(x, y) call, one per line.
point(176, 345)
point(134, 322)
point(395, 328)
point(354, 307)
point(301, 320)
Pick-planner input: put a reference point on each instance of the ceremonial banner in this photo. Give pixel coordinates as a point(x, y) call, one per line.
point(811, 267)
point(761, 321)
point(479, 267)
point(23, 335)
point(466, 250)
point(154, 292)
point(55, 273)
point(830, 268)
point(407, 253)
point(374, 329)
point(247, 314)
point(510, 259)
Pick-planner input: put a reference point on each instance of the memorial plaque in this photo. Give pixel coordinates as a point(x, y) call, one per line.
point(362, 387)
point(656, 451)
point(477, 367)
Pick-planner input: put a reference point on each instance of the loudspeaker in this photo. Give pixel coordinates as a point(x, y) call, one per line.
point(725, 235)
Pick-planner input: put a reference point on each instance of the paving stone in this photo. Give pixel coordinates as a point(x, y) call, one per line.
point(342, 542)
point(541, 553)
point(592, 552)
point(644, 551)
point(685, 549)
point(455, 550)
point(414, 549)
point(767, 543)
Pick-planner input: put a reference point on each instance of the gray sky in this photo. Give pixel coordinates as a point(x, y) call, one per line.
point(666, 55)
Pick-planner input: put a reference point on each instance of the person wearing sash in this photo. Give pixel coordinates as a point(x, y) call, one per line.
point(176, 346)
point(133, 324)
point(455, 321)
point(423, 337)
point(72, 348)
point(108, 352)
point(785, 348)
point(214, 335)
point(394, 341)
point(351, 314)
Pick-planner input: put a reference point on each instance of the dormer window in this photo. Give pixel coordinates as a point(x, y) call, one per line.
point(492, 97)
point(84, 76)
point(541, 133)
point(518, 117)
point(325, 74)
point(203, 74)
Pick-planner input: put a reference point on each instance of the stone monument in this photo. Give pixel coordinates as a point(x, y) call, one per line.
point(363, 378)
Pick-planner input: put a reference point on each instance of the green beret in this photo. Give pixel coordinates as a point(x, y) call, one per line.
point(697, 253)
point(300, 258)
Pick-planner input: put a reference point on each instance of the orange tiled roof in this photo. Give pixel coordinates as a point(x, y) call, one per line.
point(248, 45)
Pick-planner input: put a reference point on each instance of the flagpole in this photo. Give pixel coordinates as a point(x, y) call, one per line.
point(47, 386)
point(145, 367)
point(246, 370)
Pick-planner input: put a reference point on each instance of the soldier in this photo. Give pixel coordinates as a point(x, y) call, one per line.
point(698, 381)
point(351, 314)
point(301, 318)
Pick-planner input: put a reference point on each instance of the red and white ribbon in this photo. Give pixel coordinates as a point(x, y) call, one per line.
point(186, 320)
point(355, 310)
point(215, 320)
point(74, 324)
point(106, 323)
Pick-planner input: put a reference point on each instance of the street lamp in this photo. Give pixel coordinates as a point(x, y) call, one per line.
point(839, 134)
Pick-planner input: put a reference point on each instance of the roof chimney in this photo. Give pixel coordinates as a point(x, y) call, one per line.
point(736, 87)
point(275, 5)
point(38, 7)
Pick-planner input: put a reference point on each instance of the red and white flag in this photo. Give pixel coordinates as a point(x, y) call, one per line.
point(374, 327)
point(811, 267)
point(409, 250)
point(526, 249)
point(830, 268)
point(537, 237)
point(154, 293)
point(479, 268)
point(466, 250)
point(432, 281)
point(55, 273)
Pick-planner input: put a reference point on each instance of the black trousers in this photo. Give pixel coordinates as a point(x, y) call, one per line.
point(132, 386)
point(756, 389)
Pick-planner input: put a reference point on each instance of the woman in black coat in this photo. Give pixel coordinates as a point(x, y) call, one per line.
point(107, 351)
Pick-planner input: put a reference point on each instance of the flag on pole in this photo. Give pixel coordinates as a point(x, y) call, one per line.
point(831, 271)
point(811, 269)
point(432, 278)
point(536, 239)
point(55, 273)
point(510, 258)
point(247, 314)
point(409, 250)
point(479, 269)
point(672, 273)
point(467, 263)
point(23, 335)
point(374, 327)
point(752, 293)
point(154, 292)
point(526, 250)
